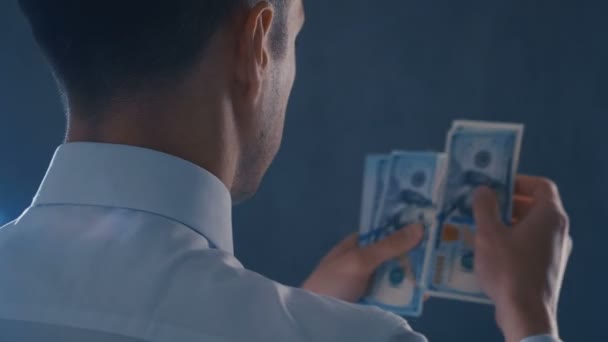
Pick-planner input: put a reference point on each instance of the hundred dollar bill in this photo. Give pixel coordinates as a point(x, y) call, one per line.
point(410, 195)
point(479, 154)
point(374, 174)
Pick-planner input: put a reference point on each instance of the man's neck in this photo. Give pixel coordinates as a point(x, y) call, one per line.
point(203, 139)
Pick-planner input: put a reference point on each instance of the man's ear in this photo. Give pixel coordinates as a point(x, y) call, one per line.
point(253, 47)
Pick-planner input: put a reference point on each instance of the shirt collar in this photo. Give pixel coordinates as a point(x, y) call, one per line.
point(128, 177)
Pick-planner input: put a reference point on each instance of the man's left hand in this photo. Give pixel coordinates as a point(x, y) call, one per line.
point(345, 272)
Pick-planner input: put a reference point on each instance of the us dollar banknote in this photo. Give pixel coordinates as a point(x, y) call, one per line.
point(479, 154)
point(409, 183)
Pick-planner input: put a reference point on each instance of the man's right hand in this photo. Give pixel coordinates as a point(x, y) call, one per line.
point(521, 268)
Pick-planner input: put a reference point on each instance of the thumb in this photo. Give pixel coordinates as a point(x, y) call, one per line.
point(399, 243)
point(486, 211)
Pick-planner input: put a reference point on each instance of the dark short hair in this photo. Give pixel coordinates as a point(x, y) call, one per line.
point(99, 47)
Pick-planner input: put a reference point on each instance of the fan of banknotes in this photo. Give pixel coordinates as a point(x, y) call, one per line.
point(435, 189)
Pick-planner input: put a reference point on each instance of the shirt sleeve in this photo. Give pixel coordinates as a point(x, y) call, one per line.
point(402, 331)
point(541, 338)
point(405, 334)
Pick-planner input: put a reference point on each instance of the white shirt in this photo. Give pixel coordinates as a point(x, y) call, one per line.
point(125, 244)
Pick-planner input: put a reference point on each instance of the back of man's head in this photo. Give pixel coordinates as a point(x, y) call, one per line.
point(99, 48)
point(204, 80)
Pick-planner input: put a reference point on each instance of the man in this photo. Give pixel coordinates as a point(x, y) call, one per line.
point(175, 112)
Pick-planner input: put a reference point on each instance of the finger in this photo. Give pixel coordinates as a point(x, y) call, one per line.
point(547, 211)
point(397, 244)
point(349, 243)
point(521, 207)
point(568, 247)
point(564, 262)
point(522, 197)
point(545, 218)
point(537, 188)
point(486, 211)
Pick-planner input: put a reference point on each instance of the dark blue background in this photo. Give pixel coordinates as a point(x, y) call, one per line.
point(379, 75)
